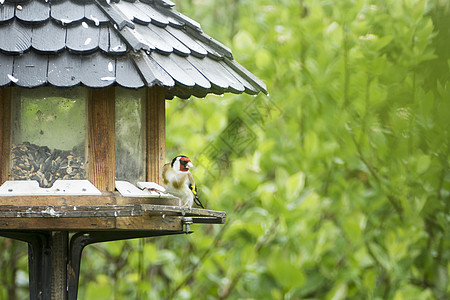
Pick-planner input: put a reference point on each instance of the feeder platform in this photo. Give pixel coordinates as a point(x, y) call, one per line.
point(57, 228)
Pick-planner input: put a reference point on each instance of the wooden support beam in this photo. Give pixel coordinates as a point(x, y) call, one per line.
point(156, 132)
point(101, 138)
point(59, 245)
point(5, 132)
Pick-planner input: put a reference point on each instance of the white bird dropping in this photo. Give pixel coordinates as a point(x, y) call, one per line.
point(66, 21)
point(96, 21)
point(12, 78)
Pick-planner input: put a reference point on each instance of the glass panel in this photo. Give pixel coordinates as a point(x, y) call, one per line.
point(48, 135)
point(130, 160)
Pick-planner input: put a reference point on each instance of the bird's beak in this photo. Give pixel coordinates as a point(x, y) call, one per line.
point(190, 165)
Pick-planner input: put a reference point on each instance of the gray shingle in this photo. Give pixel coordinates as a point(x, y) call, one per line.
point(30, 69)
point(6, 69)
point(64, 69)
point(67, 12)
point(49, 37)
point(82, 38)
point(16, 37)
point(98, 70)
point(7, 12)
point(98, 43)
point(33, 12)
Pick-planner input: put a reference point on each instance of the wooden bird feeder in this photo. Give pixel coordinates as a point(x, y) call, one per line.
point(83, 85)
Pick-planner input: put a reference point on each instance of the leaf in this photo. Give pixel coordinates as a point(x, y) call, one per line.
point(338, 292)
point(422, 164)
point(380, 256)
point(286, 273)
point(295, 185)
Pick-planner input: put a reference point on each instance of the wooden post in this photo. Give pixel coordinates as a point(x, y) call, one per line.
point(5, 132)
point(101, 138)
point(156, 132)
point(59, 246)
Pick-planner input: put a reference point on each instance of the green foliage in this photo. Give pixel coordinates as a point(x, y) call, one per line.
point(336, 186)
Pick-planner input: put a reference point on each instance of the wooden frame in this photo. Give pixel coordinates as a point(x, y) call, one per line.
point(101, 134)
point(5, 132)
point(156, 132)
point(101, 138)
point(110, 211)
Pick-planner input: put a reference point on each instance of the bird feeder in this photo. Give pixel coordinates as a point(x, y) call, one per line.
point(83, 85)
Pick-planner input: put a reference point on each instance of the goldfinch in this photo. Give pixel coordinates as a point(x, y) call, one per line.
point(178, 181)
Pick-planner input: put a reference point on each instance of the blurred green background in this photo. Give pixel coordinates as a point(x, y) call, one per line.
point(336, 185)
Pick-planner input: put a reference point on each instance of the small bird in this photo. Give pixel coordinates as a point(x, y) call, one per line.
point(178, 180)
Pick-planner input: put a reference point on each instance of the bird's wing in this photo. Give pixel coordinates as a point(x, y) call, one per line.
point(167, 174)
point(193, 188)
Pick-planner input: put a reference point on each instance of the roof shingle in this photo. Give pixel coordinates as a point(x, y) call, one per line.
point(100, 43)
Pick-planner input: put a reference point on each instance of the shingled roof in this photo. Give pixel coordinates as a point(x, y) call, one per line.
point(97, 43)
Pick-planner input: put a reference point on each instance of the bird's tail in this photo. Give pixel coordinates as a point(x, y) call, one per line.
point(193, 188)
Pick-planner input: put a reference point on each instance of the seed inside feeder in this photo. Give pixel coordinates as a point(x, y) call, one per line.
point(33, 162)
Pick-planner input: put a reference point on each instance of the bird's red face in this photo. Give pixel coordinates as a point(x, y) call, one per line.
point(185, 164)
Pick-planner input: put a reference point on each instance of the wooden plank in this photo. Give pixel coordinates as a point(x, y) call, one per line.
point(181, 211)
point(101, 138)
point(156, 132)
point(34, 12)
point(42, 42)
point(5, 132)
point(107, 198)
point(27, 201)
point(166, 223)
point(86, 211)
point(70, 224)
